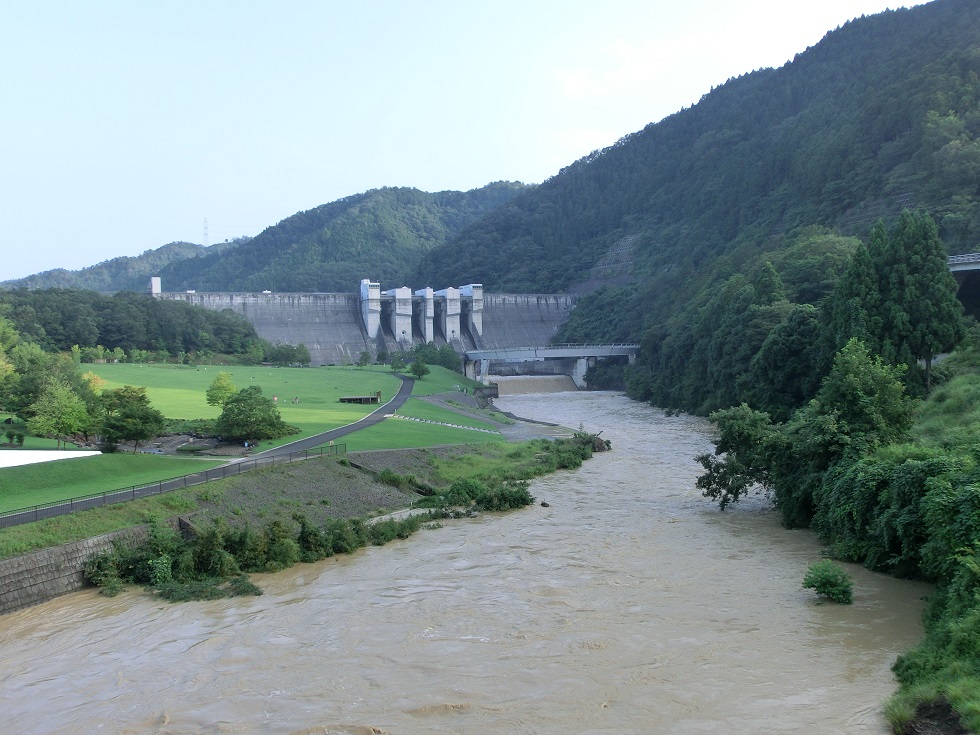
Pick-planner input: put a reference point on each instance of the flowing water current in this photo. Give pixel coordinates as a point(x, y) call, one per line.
point(628, 605)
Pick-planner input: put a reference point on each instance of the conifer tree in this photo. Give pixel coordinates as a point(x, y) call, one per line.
point(898, 296)
point(935, 314)
point(856, 304)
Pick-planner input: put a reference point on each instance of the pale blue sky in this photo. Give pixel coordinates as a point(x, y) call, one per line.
point(126, 124)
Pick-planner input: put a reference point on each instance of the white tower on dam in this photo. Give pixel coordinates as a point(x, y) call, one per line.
point(371, 307)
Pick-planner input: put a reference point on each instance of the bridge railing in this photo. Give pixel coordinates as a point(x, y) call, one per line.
point(570, 347)
point(968, 258)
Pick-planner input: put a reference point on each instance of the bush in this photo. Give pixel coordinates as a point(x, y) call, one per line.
point(505, 497)
point(102, 570)
point(830, 580)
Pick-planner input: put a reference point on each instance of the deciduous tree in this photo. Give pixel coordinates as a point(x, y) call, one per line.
point(58, 413)
point(248, 415)
point(129, 416)
point(221, 389)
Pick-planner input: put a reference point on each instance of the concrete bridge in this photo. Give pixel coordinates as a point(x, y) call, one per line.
point(966, 271)
point(562, 359)
point(961, 263)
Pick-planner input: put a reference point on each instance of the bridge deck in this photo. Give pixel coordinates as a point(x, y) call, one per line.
point(552, 351)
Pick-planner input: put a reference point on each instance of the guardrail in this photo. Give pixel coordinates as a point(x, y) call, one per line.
point(968, 258)
point(558, 350)
point(98, 500)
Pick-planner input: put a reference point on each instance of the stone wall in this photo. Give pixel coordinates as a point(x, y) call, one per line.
point(31, 579)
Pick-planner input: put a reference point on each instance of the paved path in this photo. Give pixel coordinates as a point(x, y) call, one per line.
point(375, 417)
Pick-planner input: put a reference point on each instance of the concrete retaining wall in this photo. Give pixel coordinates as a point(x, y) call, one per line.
point(31, 579)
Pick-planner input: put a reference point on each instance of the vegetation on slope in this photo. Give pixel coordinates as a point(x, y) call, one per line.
point(118, 274)
point(380, 235)
point(878, 116)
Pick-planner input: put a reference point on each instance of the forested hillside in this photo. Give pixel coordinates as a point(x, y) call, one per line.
point(126, 324)
point(118, 274)
point(381, 234)
point(881, 115)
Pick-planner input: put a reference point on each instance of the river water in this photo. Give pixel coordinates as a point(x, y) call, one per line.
point(629, 605)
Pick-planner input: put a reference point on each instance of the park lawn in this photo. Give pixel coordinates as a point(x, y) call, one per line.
point(179, 391)
point(419, 409)
point(441, 380)
point(395, 433)
point(46, 482)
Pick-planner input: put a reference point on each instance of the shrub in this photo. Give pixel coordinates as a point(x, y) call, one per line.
point(161, 570)
point(830, 580)
point(505, 497)
point(102, 570)
point(464, 491)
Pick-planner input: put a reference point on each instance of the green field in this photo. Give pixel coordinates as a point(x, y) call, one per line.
point(178, 391)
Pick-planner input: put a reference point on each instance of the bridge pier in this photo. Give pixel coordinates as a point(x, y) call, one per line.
point(582, 366)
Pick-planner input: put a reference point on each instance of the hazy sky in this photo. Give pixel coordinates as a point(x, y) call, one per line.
point(126, 125)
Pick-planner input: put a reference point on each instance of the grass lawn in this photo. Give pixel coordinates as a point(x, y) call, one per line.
point(441, 380)
point(29, 485)
point(178, 391)
point(421, 410)
point(399, 434)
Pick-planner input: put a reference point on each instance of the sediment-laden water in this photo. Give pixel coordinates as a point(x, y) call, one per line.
point(630, 605)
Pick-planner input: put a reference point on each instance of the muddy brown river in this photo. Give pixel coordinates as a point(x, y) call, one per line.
point(630, 605)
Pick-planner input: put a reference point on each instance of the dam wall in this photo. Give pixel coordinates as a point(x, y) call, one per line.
point(329, 324)
point(523, 320)
point(335, 326)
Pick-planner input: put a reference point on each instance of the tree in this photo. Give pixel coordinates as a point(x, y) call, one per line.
point(861, 405)
point(221, 389)
point(364, 359)
point(898, 296)
point(419, 369)
point(248, 415)
point(786, 371)
point(58, 412)
point(935, 315)
point(286, 355)
point(855, 308)
point(129, 417)
point(769, 286)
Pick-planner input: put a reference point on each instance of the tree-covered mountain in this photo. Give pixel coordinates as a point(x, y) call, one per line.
point(381, 234)
point(128, 273)
point(882, 114)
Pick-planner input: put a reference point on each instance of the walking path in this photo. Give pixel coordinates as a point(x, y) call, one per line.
point(375, 417)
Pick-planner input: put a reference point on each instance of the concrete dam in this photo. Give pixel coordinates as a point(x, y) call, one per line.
point(337, 327)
